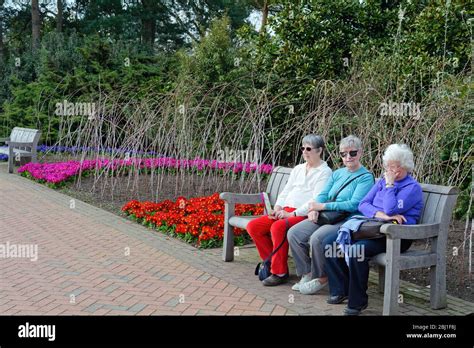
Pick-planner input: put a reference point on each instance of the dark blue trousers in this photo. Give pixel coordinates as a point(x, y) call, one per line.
point(352, 280)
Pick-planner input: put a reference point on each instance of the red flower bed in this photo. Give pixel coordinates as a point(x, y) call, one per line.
point(199, 220)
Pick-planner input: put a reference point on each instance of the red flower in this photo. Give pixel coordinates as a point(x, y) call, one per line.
point(202, 217)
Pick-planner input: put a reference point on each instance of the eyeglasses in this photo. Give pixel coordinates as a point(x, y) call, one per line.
point(306, 148)
point(392, 167)
point(352, 153)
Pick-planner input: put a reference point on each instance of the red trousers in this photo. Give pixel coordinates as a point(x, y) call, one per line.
point(267, 234)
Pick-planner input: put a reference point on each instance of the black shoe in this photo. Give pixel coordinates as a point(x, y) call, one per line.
point(336, 299)
point(275, 280)
point(354, 311)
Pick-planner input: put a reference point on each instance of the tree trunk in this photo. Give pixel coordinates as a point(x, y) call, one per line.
point(35, 24)
point(264, 16)
point(59, 17)
point(2, 53)
point(149, 22)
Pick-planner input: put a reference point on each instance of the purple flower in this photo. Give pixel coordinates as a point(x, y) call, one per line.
point(58, 172)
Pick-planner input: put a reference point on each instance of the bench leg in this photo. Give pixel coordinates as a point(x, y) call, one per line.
point(381, 271)
point(438, 275)
point(392, 277)
point(438, 298)
point(10, 159)
point(228, 250)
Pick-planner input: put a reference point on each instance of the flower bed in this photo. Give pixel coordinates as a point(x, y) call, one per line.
point(199, 221)
point(56, 174)
point(74, 150)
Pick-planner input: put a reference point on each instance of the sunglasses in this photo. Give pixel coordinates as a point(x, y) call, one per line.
point(306, 148)
point(352, 153)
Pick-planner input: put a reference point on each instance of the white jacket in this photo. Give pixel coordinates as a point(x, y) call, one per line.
point(301, 189)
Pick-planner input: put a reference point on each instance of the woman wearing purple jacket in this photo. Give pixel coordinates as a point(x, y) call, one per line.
point(396, 197)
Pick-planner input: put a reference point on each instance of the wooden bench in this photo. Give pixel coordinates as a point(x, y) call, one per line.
point(439, 202)
point(21, 143)
point(275, 185)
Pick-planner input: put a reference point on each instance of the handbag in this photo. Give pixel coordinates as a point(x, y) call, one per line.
point(331, 217)
point(370, 230)
point(263, 268)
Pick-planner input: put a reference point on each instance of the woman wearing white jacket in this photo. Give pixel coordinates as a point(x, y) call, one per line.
point(305, 182)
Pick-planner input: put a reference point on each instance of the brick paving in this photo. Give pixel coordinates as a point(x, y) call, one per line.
point(92, 262)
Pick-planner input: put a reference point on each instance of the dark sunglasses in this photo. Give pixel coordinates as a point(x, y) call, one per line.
point(306, 148)
point(352, 153)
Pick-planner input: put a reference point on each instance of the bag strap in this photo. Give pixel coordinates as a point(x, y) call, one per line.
point(345, 185)
point(287, 227)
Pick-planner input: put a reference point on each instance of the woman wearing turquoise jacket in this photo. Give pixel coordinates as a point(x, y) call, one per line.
point(309, 233)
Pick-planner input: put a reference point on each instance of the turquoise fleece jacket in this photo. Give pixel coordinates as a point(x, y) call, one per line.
point(350, 197)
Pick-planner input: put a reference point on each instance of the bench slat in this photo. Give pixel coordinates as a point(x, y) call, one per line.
point(409, 259)
point(430, 213)
point(241, 221)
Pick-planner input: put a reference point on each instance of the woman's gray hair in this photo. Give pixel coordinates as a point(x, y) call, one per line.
point(316, 141)
point(400, 153)
point(350, 141)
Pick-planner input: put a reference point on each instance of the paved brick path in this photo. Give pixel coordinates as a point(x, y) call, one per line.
point(91, 262)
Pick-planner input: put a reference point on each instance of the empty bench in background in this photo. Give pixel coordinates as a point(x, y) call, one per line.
point(439, 202)
point(22, 142)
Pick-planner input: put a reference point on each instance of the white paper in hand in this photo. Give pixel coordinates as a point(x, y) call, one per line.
point(266, 202)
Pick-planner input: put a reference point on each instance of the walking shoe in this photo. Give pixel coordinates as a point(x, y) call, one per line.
point(337, 299)
point(354, 311)
point(275, 280)
point(312, 287)
point(304, 279)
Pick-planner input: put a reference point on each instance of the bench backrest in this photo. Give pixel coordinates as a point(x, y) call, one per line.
point(438, 200)
point(438, 203)
point(277, 182)
point(25, 135)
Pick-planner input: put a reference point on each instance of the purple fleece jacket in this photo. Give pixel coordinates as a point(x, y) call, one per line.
point(405, 198)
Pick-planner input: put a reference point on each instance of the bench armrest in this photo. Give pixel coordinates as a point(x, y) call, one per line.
point(421, 231)
point(18, 144)
point(243, 198)
point(4, 140)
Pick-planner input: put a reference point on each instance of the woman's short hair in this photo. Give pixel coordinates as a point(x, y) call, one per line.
point(316, 141)
point(400, 153)
point(350, 141)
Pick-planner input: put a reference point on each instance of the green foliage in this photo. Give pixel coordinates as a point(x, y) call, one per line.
point(212, 58)
point(75, 72)
point(316, 40)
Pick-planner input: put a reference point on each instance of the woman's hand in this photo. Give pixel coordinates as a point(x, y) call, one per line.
point(390, 176)
point(313, 216)
point(276, 212)
point(398, 218)
point(382, 215)
point(282, 214)
point(313, 206)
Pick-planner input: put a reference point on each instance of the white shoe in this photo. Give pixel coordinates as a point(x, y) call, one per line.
point(304, 279)
point(312, 287)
